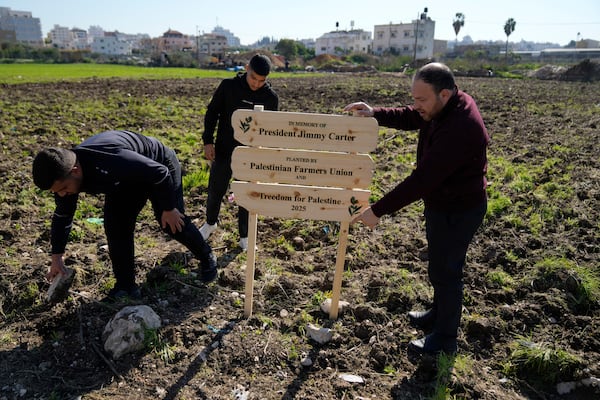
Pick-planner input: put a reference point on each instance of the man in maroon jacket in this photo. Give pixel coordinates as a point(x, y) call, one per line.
point(450, 178)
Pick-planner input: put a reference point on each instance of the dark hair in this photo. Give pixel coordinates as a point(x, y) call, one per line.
point(260, 64)
point(52, 164)
point(437, 75)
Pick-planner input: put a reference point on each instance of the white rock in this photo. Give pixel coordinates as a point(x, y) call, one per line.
point(591, 381)
point(565, 387)
point(240, 393)
point(319, 335)
point(59, 288)
point(124, 333)
point(326, 306)
point(306, 362)
point(352, 378)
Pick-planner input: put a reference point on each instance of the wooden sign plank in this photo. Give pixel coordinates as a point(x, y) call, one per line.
point(305, 131)
point(300, 167)
point(302, 202)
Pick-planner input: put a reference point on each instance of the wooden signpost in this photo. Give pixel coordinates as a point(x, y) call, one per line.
point(302, 166)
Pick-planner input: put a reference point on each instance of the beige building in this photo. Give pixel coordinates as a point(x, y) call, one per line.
point(413, 39)
point(211, 47)
point(173, 40)
point(344, 42)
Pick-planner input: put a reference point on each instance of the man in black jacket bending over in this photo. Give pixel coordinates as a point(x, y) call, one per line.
point(129, 169)
point(245, 90)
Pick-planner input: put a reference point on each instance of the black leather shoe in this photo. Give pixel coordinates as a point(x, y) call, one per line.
point(433, 345)
point(422, 319)
point(208, 273)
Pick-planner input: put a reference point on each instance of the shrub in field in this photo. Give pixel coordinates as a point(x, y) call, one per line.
point(540, 363)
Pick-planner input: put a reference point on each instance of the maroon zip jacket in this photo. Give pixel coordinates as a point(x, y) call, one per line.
point(451, 157)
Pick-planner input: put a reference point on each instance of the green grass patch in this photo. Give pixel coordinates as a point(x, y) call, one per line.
point(540, 363)
point(499, 278)
point(581, 283)
point(27, 73)
point(36, 73)
point(154, 341)
point(196, 179)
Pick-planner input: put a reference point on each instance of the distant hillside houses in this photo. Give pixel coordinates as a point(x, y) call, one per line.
point(413, 39)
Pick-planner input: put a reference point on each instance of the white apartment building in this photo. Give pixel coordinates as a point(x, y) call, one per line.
point(309, 43)
point(110, 44)
point(80, 39)
point(413, 39)
point(344, 42)
point(61, 37)
point(94, 31)
point(27, 29)
point(232, 40)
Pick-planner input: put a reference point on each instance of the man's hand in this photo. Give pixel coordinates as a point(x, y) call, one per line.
point(56, 267)
point(360, 109)
point(367, 217)
point(209, 152)
point(173, 219)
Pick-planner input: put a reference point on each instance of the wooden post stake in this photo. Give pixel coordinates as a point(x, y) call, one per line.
point(339, 269)
point(250, 263)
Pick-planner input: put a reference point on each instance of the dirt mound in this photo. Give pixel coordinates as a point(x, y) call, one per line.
point(585, 71)
point(548, 72)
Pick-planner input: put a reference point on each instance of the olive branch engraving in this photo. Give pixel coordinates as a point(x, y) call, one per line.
point(245, 124)
point(354, 206)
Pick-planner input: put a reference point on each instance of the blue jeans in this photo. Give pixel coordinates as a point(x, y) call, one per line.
point(448, 237)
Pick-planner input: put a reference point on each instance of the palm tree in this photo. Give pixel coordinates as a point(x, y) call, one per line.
point(457, 23)
point(509, 27)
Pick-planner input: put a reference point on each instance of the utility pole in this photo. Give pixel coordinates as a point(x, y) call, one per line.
point(422, 16)
point(198, 46)
point(416, 36)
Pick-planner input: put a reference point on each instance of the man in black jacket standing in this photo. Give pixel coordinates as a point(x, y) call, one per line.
point(245, 90)
point(129, 169)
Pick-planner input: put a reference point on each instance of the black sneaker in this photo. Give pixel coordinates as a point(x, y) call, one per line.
point(117, 294)
point(208, 272)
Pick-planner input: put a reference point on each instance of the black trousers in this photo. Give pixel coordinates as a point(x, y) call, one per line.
point(218, 182)
point(448, 236)
point(121, 209)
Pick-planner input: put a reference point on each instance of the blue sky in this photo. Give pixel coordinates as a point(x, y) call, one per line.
point(555, 21)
